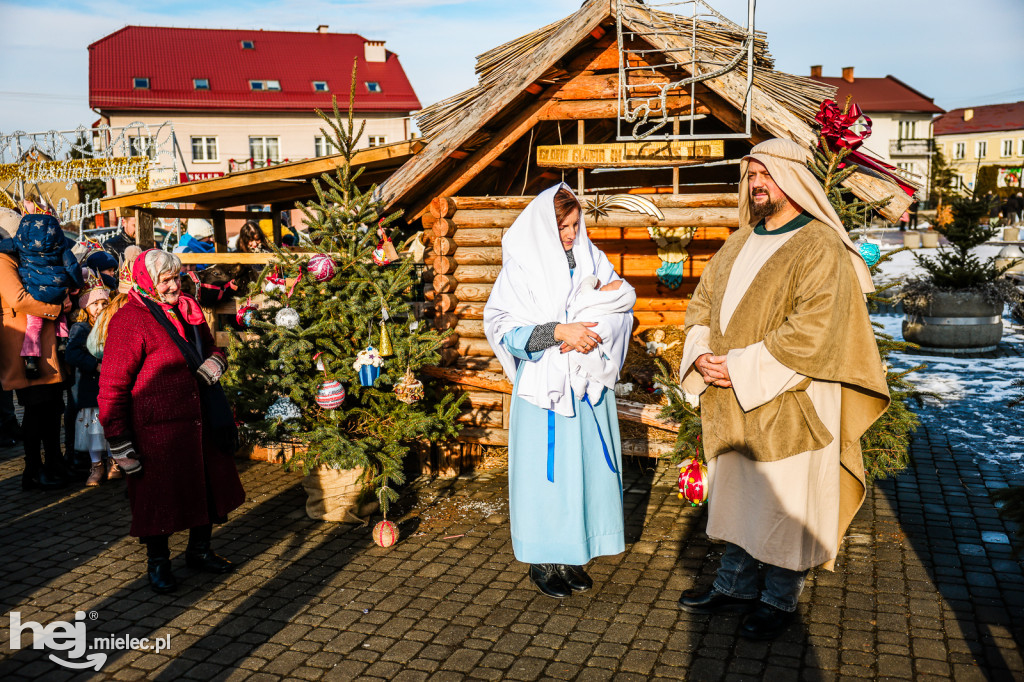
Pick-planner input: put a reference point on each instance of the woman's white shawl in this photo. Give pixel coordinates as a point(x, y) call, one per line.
point(534, 288)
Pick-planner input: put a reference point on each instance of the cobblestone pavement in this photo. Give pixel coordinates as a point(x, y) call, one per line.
point(926, 588)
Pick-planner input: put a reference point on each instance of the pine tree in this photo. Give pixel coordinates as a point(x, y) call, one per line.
point(338, 318)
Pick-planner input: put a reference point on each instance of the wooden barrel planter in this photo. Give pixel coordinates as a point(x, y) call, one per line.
point(956, 322)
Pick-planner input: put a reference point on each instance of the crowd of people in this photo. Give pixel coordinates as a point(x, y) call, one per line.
point(99, 339)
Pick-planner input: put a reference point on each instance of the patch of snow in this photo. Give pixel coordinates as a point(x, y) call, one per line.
point(971, 395)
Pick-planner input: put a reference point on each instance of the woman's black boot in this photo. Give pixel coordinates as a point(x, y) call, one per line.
point(158, 564)
point(547, 580)
point(199, 556)
point(575, 577)
point(161, 579)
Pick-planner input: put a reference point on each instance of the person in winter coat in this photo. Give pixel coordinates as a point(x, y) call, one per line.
point(123, 239)
point(39, 396)
point(49, 272)
point(159, 398)
point(88, 431)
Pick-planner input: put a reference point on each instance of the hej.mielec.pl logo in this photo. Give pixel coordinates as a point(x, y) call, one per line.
point(72, 642)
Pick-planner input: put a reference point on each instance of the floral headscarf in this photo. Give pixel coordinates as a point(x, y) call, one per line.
point(186, 308)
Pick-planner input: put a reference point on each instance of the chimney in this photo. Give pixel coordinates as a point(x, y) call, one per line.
point(848, 74)
point(322, 28)
point(816, 71)
point(968, 114)
point(374, 51)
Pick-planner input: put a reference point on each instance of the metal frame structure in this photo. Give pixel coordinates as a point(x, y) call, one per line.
point(638, 111)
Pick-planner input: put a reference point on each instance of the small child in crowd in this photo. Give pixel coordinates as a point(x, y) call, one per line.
point(50, 273)
point(88, 431)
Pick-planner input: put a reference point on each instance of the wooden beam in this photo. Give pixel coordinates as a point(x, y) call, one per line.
point(203, 213)
point(581, 140)
point(226, 258)
point(309, 168)
point(220, 233)
point(144, 227)
point(482, 157)
point(570, 110)
point(606, 86)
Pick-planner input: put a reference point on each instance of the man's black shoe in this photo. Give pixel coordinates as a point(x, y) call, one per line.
point(547, 580)
point(41, 480)
point(765, 622)
point(711, 601)
point(207, 561)
point(575, 577)
point(161, 579)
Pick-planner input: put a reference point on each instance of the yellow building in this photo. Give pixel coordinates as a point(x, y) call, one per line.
point(991, 135)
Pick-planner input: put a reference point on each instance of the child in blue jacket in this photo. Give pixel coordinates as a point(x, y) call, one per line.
point(49, 273)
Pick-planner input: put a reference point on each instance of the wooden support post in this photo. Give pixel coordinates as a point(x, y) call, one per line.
point(580, 139)
point(675, 169)
point(144, 230)
point(275, 220)
point(449, 460)
point(220, 232)
point(506, 408)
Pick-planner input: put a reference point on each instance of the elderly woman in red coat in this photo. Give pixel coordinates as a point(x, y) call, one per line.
point(160, 402)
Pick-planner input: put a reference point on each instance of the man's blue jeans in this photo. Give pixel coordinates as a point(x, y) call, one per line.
point(737, 577)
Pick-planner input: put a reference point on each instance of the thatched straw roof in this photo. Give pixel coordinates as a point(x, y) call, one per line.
point(468, 131)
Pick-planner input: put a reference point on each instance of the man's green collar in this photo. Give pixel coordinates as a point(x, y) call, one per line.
point(794, 224)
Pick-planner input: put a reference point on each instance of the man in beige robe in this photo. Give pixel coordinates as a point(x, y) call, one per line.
point(781, 351)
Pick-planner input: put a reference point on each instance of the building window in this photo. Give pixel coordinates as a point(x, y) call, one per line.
point(378, 140)
point(959, 150)
point(980, 149)
point(907, 129)
point(140, 83)
point(142, 145)
point(264, 150)
point(248, 45)
point(204, 148)
point(264, 85)
point(906, 166)
point(201, 83)
point(373, 86)
point(1007, 148)
point(323, 147)
point(320, 86)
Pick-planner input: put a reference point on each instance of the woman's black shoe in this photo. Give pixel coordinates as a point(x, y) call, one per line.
point(711, 601)
point(160, 577)
point(547, 580)
point(575, 577)
point(765, 622)
point(41, 481)
point(205, 559)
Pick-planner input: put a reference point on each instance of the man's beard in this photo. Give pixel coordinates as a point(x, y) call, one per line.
point(767, 209)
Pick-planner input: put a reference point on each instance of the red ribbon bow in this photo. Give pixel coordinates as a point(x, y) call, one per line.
point(838, 132)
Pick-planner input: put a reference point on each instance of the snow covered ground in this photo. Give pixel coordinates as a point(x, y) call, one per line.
point(973, 395)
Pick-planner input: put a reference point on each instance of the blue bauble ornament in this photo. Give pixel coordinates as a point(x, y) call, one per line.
point(870, 253)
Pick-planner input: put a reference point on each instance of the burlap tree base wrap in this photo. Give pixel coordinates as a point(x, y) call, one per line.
point(334, 495)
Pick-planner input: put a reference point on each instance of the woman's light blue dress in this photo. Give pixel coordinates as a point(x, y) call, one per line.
point(564, 480)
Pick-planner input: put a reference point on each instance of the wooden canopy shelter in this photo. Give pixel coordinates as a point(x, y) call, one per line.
point(560, 85)
point(280, 186)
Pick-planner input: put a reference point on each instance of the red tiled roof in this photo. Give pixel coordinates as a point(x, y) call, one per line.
point(882, 94)
point(988, 118)
point(172, 57)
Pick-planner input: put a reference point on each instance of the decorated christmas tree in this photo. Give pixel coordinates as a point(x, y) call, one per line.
point(330, 346)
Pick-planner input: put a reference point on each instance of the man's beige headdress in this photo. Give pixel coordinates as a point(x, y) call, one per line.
point(786, 161)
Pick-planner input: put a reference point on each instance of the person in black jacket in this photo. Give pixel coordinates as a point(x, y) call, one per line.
point(123, 239)
point(88, 431)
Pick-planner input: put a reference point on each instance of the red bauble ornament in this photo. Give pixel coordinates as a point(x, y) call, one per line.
point(385, 533)
point(321, 267)
point(693, 482)
point(244, 315)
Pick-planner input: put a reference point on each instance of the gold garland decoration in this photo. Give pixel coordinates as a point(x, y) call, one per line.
point(73, 170)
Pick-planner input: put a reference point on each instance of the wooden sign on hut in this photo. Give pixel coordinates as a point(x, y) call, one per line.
point(548, 107)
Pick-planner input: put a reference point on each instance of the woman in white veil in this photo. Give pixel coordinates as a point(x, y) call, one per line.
point(565, 489)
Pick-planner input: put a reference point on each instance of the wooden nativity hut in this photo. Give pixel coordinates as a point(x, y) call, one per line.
point(548, 107)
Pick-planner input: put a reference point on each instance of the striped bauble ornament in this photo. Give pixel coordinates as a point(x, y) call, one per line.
point(385, 533)
point(331, 394)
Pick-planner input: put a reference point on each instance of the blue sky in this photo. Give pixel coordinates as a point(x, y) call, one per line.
point(959, 53)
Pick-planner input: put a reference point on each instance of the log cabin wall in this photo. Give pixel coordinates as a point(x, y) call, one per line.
point(465, 258)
